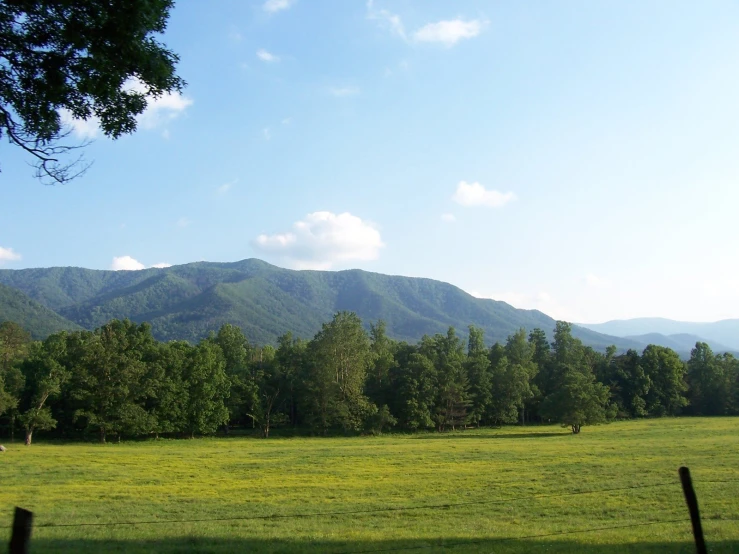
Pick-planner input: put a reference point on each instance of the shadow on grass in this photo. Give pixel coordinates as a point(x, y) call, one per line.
point(222, 546)
point(473, 434)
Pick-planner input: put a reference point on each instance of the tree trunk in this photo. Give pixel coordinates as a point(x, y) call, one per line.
point(29, 436)
point(102, 435)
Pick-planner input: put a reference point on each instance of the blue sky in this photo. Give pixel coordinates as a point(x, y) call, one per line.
point(581, 158)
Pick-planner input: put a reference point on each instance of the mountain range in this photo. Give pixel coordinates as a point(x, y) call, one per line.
point(719, 335)
point(189, 301)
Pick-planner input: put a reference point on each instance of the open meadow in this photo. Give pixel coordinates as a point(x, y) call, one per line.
point(515, 489)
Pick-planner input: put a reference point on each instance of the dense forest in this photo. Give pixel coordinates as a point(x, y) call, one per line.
point(119, 381)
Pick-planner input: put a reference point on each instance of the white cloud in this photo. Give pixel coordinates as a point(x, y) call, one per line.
point(183, 222)
point(594, 281)
point(448, 218)
point(84, 129)
point(267, 133)
point(8, 255)
point(273, 6)
point(126, 263)
point(474, 194)
point(449, 32)
point(159, 111)
point(287, 121)
point(344, 91)
point(266, 56)
point(386, 19)
point(225, 187)
point(322, 240)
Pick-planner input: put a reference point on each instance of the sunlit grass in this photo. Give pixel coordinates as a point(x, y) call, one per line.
point(515, 472)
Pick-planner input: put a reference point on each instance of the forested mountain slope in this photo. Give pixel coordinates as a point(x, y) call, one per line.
point(189, 301)
point(29, 314)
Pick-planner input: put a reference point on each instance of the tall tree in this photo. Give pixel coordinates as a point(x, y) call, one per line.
point(94, 59)
point(453, 401)
point(340, 357)
point(477, 366)
point(45, 373)
point(14, 345)
point(666, 372)
point(108, 376)
point(708, 390)
point(207, 388)
point(574, 398)
point(168, 395)
point(383, 360)
point(237, 357)
point(629, 384)
point(523, 369)
point(415, 379)
point(291, 357)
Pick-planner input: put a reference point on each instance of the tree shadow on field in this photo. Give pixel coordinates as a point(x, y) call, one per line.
point(498, 545)
point(474, 435)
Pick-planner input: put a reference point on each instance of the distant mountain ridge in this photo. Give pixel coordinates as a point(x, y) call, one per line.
point(724, 334)
point(189, 301)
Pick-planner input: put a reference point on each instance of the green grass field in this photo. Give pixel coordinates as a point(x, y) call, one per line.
point(513, 484)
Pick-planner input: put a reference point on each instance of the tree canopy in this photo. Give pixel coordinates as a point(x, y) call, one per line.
point(91, 58)
point(119, 381)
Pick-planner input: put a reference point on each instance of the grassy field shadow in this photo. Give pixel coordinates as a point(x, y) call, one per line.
point(223, 546)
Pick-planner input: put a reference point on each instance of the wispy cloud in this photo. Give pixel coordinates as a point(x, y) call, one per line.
point(474, 194)
point(387, 19)
point(225, 187)
point(274, 6)
point(448, 218)
point(343, 91)
point(234, 35)
point(447, 32)
point(267, 56)
point(8, 255)
point(183, 222)
point(267, 133)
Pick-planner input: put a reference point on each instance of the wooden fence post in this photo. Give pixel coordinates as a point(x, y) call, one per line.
point(20, 541)
point(695, 518)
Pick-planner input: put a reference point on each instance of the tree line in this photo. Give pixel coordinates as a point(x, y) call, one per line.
point(118, 381)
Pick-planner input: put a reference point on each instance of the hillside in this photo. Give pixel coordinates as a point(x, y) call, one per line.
point(39, 320)
point(724, 333)
point(189, 301)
